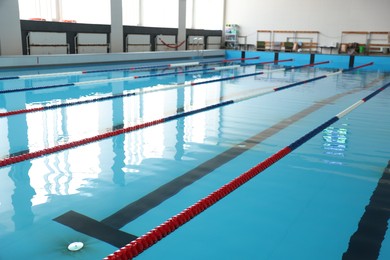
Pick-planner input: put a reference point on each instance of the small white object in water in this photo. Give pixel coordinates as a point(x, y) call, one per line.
point(75, 246)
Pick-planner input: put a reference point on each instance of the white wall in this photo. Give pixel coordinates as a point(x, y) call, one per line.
point(208, 14)
point(330, 17)
point(157, 13)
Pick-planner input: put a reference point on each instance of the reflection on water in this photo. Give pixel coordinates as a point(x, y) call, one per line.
point(101, 177)
point(73, 171)
point(335, 142)
point(22, 196)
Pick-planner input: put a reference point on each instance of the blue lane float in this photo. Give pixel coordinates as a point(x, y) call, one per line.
point(142, 243)
point(105, 81)
point(172, 65)
point(69, 145)
point(144, 91)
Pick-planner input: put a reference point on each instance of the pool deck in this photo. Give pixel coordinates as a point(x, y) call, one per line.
point(48, 60)
point(337, 60)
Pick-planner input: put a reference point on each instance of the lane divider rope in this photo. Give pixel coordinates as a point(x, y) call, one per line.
point(139, 245)
point(67, 104)
point(46, 151)
point(143, 91)
point(73, 73)
point(174, 65)
point(104, 81)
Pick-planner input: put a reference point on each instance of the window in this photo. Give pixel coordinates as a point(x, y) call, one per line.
point(130, 12)
point(200, 14)
point(87, 11)
point(45, 9)
point(156, 13)
point(82, 11)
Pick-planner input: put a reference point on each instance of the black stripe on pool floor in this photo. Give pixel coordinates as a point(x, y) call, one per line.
point(106, 230)
point(95, 228)
point(366, 242)
point(156, 197)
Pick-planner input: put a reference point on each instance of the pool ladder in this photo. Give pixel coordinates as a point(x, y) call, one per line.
point(199, 46)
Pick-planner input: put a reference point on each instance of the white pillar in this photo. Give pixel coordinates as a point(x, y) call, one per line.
point(58, 10)
point(224, 16)
point(224, 23)
point(116, 38)
point(181, 35)
point(10, 32)
point(140, 10)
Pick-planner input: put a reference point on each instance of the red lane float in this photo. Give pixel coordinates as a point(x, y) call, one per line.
point(72, 73)
point(28, 156)
point(145, 241)
point(61, 147)
point(48, 107)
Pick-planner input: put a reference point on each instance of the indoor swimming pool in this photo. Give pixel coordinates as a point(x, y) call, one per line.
point(103, 154)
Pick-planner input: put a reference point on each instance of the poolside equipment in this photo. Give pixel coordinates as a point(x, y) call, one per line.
point(75, 246)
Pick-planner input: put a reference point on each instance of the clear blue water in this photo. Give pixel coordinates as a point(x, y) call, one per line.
point(306, 206)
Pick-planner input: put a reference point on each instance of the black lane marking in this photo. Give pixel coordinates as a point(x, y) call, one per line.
point(95, 229)
point(19, 153)
point(164, 192)
point(108, 229)
point(366, 242)
point(146, 203)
